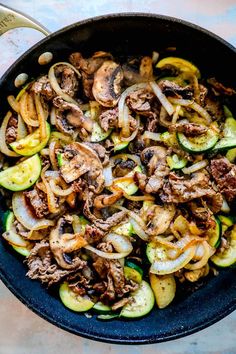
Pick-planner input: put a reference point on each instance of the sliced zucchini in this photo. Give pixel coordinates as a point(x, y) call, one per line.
point(231, 155)
point(74, 301)
point(176, 163)
point(125, 229)
point(32, 143)
point(129, 187)
point(101, 308)
point(164, 288)
point(182, 64)
point(79, 223)
point(229, 135)
point(170, 140)
point(146, 205)
point(227, 258)
point(214, 234)
point(8, 219)
point(21, 176)
point(227, 112)
point(198, 144)
point(155, 252)
point(133, 272)
point(98, 134)
point(61, 160)
point(227, 220)
point(118, 143)
point(142, 304)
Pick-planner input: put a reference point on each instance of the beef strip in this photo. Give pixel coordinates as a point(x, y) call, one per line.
point(170, 88)
point(93, 234)
point(220, 89)
point(38, 202)
point(189, 129)
point(140, 101)
point(224, 174)
point(42, 265)
point(43, 86)
point(109, 119)
point(67, 79)
point(11, 131)
point(182, 189)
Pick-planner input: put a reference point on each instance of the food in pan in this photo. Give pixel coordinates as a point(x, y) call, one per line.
point(120, 179)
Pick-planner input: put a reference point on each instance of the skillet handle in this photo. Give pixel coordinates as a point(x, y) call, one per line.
point(10, 19)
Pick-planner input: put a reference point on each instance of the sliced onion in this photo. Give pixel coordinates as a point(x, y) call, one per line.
point(132, 215)
point(42, 116)
point(60, 136)
point(176, 114)
point(53, 116)
point(24, 215)
point(195, 167)
point(166, 242)
point(27, 110)
point(162, 98)
point(203, 261)
point(155, 57)
point(138, 198)
point(13, 103)
point(122, 99)
point(153, 136)
point(59, 191)
point(44, 152)
point(126, 125)
point(53, 174)
point(138, 230)
point(54, 83)
point(133, 135)
point(167, 267)
point(180, 101)
point(3, 146)
point(52, 155)
point(106, 254)
point(120, 243)
point(225, 206)
point(14, 239)
point(21, 128)
point(52, 207)
point(107, 173)
point(201, 111)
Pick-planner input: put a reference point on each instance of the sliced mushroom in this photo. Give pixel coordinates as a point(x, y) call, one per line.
point(107, 83)
point(85, 160)
point(159, 218)
point(62, 244)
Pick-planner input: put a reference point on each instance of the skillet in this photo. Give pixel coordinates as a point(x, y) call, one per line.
point(125, 34)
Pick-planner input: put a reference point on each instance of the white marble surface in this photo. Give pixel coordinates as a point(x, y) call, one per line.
point(23, 332)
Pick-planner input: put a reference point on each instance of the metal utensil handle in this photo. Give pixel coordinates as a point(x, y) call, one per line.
point(10, 19)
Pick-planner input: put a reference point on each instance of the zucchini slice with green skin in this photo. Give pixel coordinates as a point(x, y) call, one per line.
point(134, 266)
point(8, 219)
point(74, 301)
point(198, 144)
point(227, 112)
point(131, 273)
point(176, 163)
point(214, 234)
point(129, 187)
point(101, 308)
point(118, 144)
point(180, 63)
point(125, 229)
point(21, 176)
point(154, 251)
point(61, 160)
point(227, 258)
point(32, 143)
point(98, 134)
point(142, 304)
point(227, 220)
point(229, 135)
point(231, 155)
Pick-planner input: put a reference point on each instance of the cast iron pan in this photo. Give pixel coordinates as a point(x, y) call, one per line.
point(125, 34)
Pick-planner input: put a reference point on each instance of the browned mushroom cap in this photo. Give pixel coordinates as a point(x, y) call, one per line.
point(152, 155)
point(159, 218)
point(62, 244)
point(107, 83)
point(85, 160)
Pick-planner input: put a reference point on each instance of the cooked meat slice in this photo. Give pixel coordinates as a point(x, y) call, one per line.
point(141, 101)
point(189, 129)
point(224, 174)
point(121, 303)
point(38, 202)
point(42, 265)
point(203, 91)
point(68, 79)
point(93, 234)
point(213, 107)
point(220, 89)
point(157, 169)
point(201, 214)
point(146, 69)
point(43, 86)
point(107, 84)
point(105, 200)
point(109, 119)
point(70, 116)
point(11, 131)
point(110, 293)
point(215, 202)
point(85, 161)
point(117, 273)
point(88, 67)
point(170, 88)
point(184, 189)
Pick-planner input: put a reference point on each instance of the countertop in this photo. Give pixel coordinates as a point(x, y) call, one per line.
point(23, 332)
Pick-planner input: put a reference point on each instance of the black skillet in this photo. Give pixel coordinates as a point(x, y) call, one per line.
point(126, 34)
